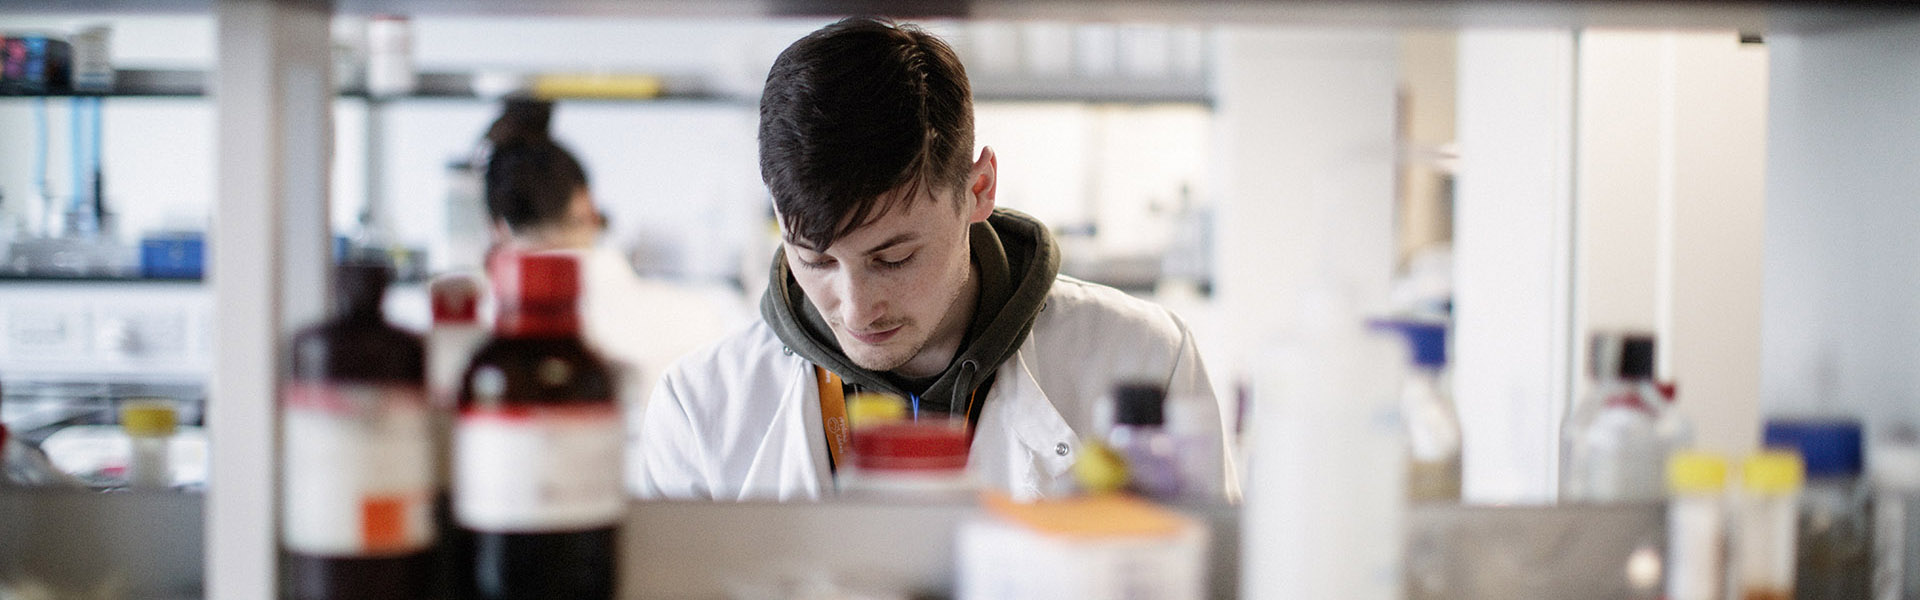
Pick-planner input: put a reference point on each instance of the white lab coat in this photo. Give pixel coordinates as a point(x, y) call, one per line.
point(740, 419)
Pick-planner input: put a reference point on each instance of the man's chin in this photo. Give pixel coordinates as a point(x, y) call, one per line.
point(874, 358)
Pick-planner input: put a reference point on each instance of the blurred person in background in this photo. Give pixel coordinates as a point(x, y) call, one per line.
point(896, 273)
point(538, 199)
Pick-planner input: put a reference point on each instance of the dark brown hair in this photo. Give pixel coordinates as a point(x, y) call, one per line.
point(530, 179)
point(857, 109)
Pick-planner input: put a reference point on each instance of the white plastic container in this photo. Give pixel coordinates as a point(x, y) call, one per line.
point(390, 57)
point(1696, 526)
point(1109, 557)
point(1766, 541)
point(150, 425)
point(1326, 505)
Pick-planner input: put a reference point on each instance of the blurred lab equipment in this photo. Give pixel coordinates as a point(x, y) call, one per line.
point(1835, 514)
point(537, 447)
point(1140, 435)
point(1433, 425)
point(1765, 541)
point(1894, 465)
point(1329, 467)
point(905, 457)
point(150, 425)
point(357, 470)
point(1696, 566)
point(1108, 547)
point(1612, 447)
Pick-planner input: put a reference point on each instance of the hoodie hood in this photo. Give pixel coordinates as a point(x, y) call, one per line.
point(1016, 262)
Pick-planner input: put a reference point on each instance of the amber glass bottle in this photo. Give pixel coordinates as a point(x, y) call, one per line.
point(537, 447)
point(357, 475)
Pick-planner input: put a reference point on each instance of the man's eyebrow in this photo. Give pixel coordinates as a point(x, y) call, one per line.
point(893, 241)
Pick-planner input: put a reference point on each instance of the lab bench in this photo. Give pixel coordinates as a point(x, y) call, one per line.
point(148, 545)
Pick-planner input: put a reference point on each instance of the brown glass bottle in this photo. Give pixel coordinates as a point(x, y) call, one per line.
point(357, 516)
point(537, 446)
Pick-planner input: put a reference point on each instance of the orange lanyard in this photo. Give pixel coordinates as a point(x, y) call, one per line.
point(833, 412)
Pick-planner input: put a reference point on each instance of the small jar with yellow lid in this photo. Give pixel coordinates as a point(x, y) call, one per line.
point(150, 425)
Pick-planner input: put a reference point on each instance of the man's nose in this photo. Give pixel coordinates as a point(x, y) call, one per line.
point(861, 302)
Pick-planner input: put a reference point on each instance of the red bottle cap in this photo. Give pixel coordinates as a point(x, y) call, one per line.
point(456, 299)
point(910, 447)
point(536, 277)
point(539, 293)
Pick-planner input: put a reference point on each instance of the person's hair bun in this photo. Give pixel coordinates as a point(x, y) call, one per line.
point(522, 122)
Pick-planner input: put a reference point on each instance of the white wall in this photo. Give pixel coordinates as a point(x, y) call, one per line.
point(1841, 323)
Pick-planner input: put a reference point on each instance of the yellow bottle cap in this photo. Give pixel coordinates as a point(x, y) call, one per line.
point(1774, 472)
point(150, 418)
point(867, 409)
point(1696, 472)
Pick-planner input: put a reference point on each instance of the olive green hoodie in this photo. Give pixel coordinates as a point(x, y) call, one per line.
point(1016, 261)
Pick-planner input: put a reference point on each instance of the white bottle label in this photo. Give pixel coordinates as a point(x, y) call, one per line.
point(538, 469)
point(358, 470)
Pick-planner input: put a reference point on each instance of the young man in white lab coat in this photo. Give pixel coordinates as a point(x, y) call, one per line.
point(896, 273)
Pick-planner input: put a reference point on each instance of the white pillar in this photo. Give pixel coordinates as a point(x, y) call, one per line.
point(1513, 248)
point(1305, 129)
point(268, 269)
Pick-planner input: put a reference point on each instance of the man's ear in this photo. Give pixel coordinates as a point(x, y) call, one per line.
point(983, 182)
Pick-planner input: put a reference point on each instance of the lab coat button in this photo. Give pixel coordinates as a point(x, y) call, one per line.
point(1060, 449)
point(786, 350)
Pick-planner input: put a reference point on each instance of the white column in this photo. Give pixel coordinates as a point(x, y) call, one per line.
point(1306, 135)
point(268, 267)
point(1304, 122)
point(1513, 248)
point(1716, 213)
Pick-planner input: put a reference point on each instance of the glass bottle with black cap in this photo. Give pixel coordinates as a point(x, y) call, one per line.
point(1613, 447)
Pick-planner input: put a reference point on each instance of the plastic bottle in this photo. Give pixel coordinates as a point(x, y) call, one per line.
point(1612, 446)
point(150, 426)
point(1895, 467)
point(1433, 424)
point(1696, 526)
point(537, 448)
point(1836, 537)
point(1765, 544)
point(1330, 466)
point(357, 469)
point(1139, 433)
point(390, 69)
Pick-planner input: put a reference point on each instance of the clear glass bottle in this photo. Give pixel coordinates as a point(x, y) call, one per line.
point(1764, 542)
point(1612, 448)
point(1696, 526)
point(150, 425)
point(1836, 535)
